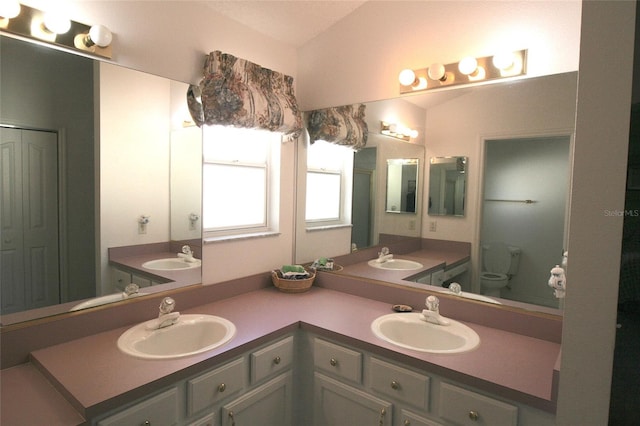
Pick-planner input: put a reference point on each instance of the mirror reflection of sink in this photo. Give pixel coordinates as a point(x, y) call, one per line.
point(190, 335)
point(409, 331)
point(474, 296)
point(171, 264)
point(396, 264)
point(103, 300)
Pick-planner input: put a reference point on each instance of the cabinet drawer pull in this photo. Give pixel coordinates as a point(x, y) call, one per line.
point(222, 387)
point(146, 423)
point(407, 423)
point(474, 416)
point(233, 420)
point(382, 414)
point(277, 360)
point(333, 362)
point(395, 385)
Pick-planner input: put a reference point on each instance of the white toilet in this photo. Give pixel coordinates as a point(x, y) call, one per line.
point(500, 263)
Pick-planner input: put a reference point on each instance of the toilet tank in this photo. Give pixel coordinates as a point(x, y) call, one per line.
point(515, 259)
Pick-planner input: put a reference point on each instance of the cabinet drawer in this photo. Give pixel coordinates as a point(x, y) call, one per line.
point(399, 383)
point(209, 388)
point(468, 408)
point(337, 360)
point(407, 418)
point(272, 359)
point(161, 409)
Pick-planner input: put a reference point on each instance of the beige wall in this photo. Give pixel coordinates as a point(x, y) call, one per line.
point(359, 59)
point(600, 152)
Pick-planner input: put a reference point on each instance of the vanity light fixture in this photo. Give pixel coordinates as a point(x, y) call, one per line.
point(9, 9)
point(56, 22)
point(468, 70)
point(54, 28)
point(397, 131)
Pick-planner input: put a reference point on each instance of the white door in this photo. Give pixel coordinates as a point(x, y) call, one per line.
point(29, 255)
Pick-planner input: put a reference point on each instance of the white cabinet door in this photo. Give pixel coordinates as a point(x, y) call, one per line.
point(337, 404)
point(266, 405)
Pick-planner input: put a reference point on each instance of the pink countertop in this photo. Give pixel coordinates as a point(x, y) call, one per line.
point(430, 260)
point(29, 399)
point(511, 365)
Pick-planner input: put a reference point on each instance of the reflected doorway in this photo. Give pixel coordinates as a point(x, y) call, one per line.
point(524, 205)
point(29, 255)
point(364, 167)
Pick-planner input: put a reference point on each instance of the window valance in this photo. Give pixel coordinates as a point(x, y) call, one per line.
point(236, 92)
point(343, 125)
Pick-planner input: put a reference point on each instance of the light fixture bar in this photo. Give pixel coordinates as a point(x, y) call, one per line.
point(397, 131)
point(450, 74)
point(30, 24)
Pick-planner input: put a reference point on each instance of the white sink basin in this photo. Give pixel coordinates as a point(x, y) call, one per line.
point(409, 331)
point(190, 335)
point(396, 264)
point(171, 264)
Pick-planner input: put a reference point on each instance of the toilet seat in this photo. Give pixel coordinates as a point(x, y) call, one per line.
point(492, 276)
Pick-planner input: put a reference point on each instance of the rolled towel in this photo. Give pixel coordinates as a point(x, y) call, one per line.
point(293, 268)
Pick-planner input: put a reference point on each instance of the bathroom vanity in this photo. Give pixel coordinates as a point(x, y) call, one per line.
point(304, 332)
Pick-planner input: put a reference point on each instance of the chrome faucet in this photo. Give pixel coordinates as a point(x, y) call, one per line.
point(187, 254)
point(384, 255)
point(432, 313)
point(166, 316)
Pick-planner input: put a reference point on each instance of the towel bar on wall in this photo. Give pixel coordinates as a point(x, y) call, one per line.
point(511, 201)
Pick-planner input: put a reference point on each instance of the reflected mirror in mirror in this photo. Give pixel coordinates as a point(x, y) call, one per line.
point(402, 185)
point(48, 100)
point(447, 186)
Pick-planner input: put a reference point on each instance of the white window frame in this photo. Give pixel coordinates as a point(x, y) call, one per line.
point(345, 171)
point(271, 166)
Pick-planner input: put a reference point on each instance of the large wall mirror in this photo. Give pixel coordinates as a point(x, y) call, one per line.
point(112, 144)
point(538, 109)
point(402, 185)
point(447, 186)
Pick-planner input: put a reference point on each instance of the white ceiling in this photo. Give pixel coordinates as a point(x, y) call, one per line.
point(294, 22)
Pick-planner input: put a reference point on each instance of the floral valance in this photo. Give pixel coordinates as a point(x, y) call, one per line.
point(236, 92)
point(343, 125)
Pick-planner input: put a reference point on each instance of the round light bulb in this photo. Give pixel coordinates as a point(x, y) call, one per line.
point(437, 72)
point(413, 134)
point(468, 65)
point(100, 35)
point(503, 60)
point(56, 22)
point(407, 77)
point(9, 9)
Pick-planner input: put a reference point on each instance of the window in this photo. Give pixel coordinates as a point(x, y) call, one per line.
point(241, 181)
point(329, 174)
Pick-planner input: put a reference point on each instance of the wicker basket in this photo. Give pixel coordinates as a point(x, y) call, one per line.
point(292, 286)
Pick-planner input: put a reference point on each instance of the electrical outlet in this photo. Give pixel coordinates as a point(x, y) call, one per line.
point(433, 226)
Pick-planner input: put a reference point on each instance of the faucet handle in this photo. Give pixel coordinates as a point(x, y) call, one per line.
point(167, 305)
point(455, 288)
point(131, 289)
point(433, 303)
point(384, 251)
point(186, 249)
